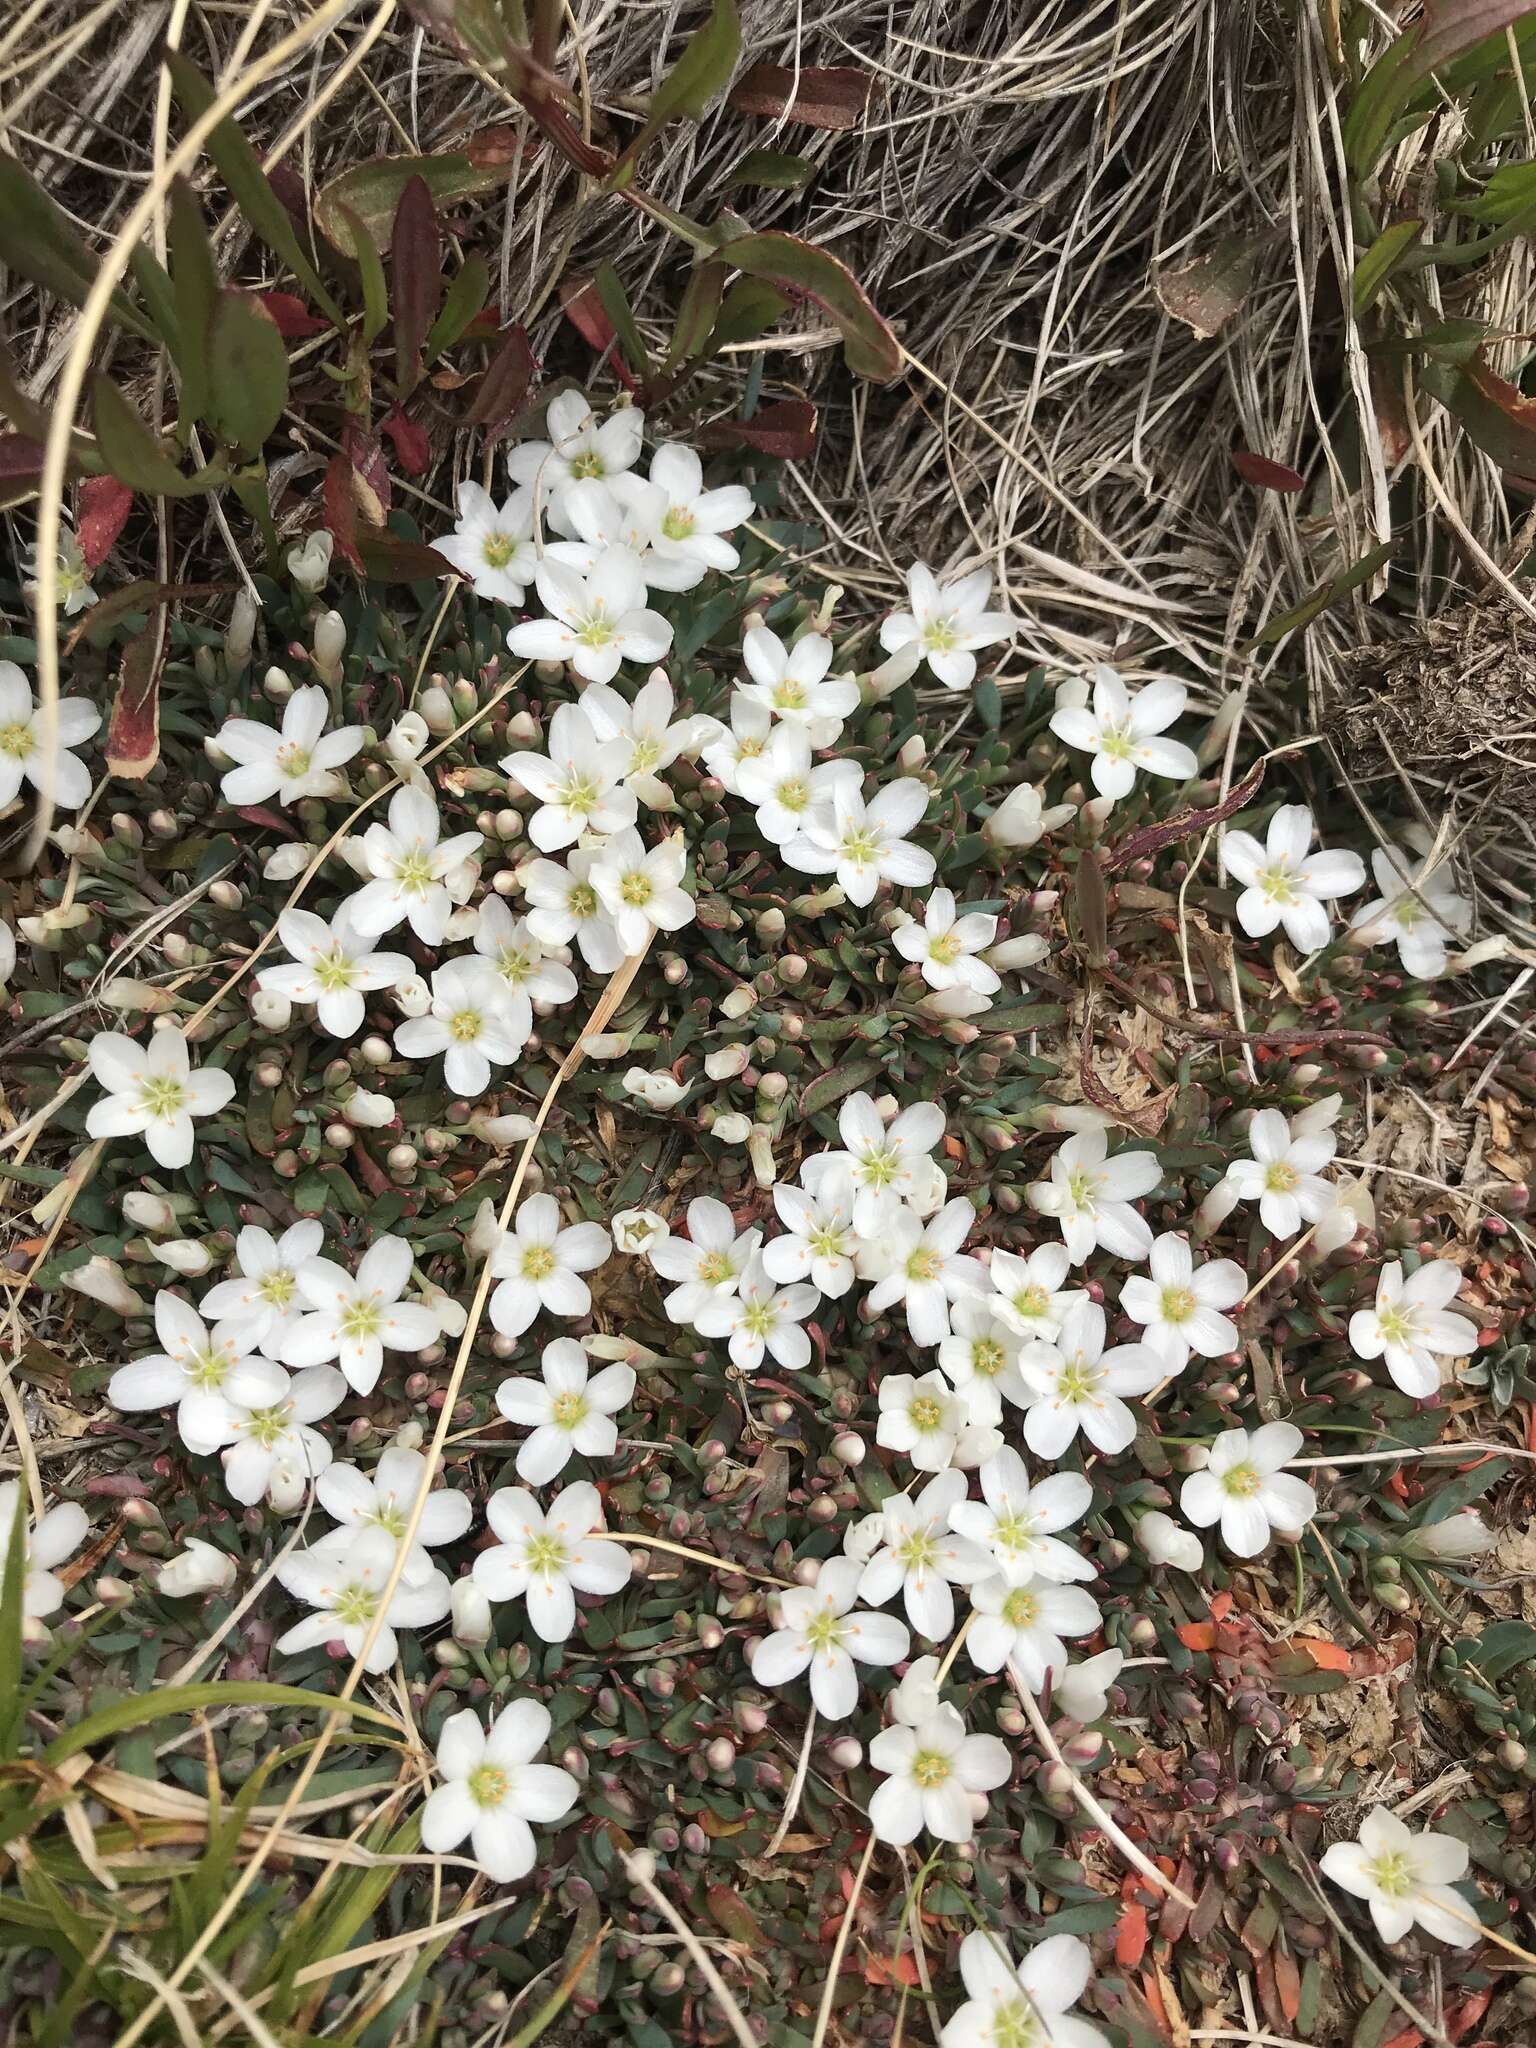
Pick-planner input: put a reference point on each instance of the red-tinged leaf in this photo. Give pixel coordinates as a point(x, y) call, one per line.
point(1326, 1655)
point(269, 820)
point(416, 258)
point(1131, 1936)
point(584, 309)
point(489, 148)
point(391, 558)
point(1287, 1984)
point(506, 383)
point(341, 510)
point(1451, 26)
point(730, 1911)
point(1496, 414)
point(372, 191)
point(104, 506)
point(786, 430)
point(133, 735)
point(884, 1969)
point(1153, 838)
point(831, 98)
point(409, 440)
point(805, 271)
point(20, 455)
point(291, 317)
point(1265, 474)
point(370, 471)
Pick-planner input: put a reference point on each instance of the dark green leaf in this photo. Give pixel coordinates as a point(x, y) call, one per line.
point(37, 242)
point(247, 371)
point(133, 454)
point(465, 298)
point(373, 190)
point(1324, 597)
point(196, 284)
point(704, 69)
point(615, 303)
point(777, 169)
point(870, 347)
point(371, 275)
point(1380, 260)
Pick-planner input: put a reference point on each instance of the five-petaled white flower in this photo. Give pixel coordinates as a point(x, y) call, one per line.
point(1418, 910)
point(706, 1264)
point(760, 1319)
point(492, 1788)
point(1027, 2006)
point(55, 1535)
point(355, 1320)
point(725, 750)
point(822, 1631)
point(570, 1410)
point(520, 956)
point(1410, 1326)
point(1017, 1523)
point(416, 871)
point(23, 748)
point(1406, 1879)
point(578, 446)
point(651, 737)
point(787, 791)
point(640, 887)
point(921, 1557)
point(1285, 884)
point(919, 1264)
point(923, 1418)
point(475, 1021)
point(1090, 1196)
point(792, 683)
point(384, 1499)
point(539, 1263)
point(932, 1770)
point(299, 760)
point(547, 1558)
point(199, 1373)
point(1122, 732)
point(1024, 1623)
point(347, 1588)
point(1284, 1174)
point(982, 1350)
point(152, 1091)
point(946, 623)
point(273, 1446)
point(1078, 1385)
point(1245, 1488)
point(686, 524)
point(262, 1305)
point(864, 844)
point(884, 1162)
point(492, 545)
point(72, 574)
point(597, 619)
point(334, 966)
point(1179, 1306)
point(563, 905)
point(946, 944)
point(819, 1242)
point(579, 782)
point(1030, 1296)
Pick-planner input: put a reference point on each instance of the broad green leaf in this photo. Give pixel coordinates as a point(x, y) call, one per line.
point(372, 191)
point(871, 349)
point(778, 169)
point(1380, 260)
point(1463, 41)
point(1497, 415)
point(615, 303)
point(149, 274)
point(371, 275)
point(196, 282)
point(697, 314)
point(133, 454)
point(143, 1710)
point(37, 241)
point(464, 301)
point(247, 371)
point(748, 310)
point(1324, 596)
point(704, 69)
point(240, 168)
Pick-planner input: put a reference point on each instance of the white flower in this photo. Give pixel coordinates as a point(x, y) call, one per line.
point(1030, 1296)
point(1016, 1522)
point(923, 1418)
point(921, 1557)
point(272, 1440)
point(792, 683)
point(597, 620)
point(1178, 1307)
point(476, 1022)
point(200, 1372)
point(407, 737)
point(637, 1231)
point(568, 1411)
point(492, 1789)
point(519, 955)
point(820, 1241)
point(724, 752)
point(945, 945)
point(916, 1697)
point(58, 1533)
point(151, 1089)
point(23, 743)
point(706, 1264)
point(1285, 884)
point(1082, 1690)
point(200, 1568)
point(577, 447)
point(1460, 1536)
point(414, 871)
point(1418, 910)
point(369, 1110)
point(640, 886)
point(788, 792)
point(1166, 1541)
point(347, 1587)
point(758, 1318)
point(1024, 1625)
point(1078, 1385)
point(919, 1264)
point(692, 520)
point(384, 1499)
point(309, 564)
point(7, 954)
point(334, 965)
point(882, 1161)
point(1406, 1879)
point(865, 844)
point(657, 1090)
point(355, 1320)
point(946, 622)
point(646, 728)
point(1244, 1488)
point(1121, 732)
point(620, 514)
point(1283, 1176)
point(932, 1770)
point(297, 761)
point(579, 783)
point(565, 906)
point(1410, 1327)
point(539, 1264)
point(472, 1620)
point(1090, 1196)
point(73, 578)
point(493, 545)
point(822, 1631)
point(548, 1558)
point(1025, 2007)
point(1022, 818)
point(264, 1303)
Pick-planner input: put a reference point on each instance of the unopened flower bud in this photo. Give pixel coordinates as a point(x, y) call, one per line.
point(407, 737)
point(200, 1568)
point(184, 1255)
point(146, 1211)
point(309, 564)
point(732, 1129)
point(286, 1489)
point(636, 1230)
point(329, 643)
point(1166, 1541)
point(471, 1614)
point(271, 1009)
point(738, 1003)
point(240, 633)
point(101, 1279)
point(370, 1112)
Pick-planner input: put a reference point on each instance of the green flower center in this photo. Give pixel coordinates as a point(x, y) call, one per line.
point(879, 1167)
point(582, 901)
point(208, 1369)
point(758, 1318)
point(465, 1026)
point(514, 964)
point(1407, 911)
point(17, 740)
point(267, 1426)
point(930, 1769)
point(715, 1268)
point(545, 1555)
point(1083, 1188)
point(860, 845)
point(361, 1320)
point(590, 463)
point(1116, 741)
point(1396, 1325)
point(987, 1358)
point(1030, 1301)
point(678, 524)
point(917, 1550)
point(748, 750)
point(1279, 1178)
point(276, 1288)
point(355, 1606)
point(1279, 885)
point(292, 758)
point(940, 636)
point(1179, 1304)
point(1078, 1379)
point(824, 1631)
point(924, 1265)
point(946, 949)
point(794, 794)
point(1015, 2026)
point(568, 1410)
point(644, 752)
point(538, 1262)
point(161, 1096)
point(1014, 1533)
point(580, 794)
point(413, 871)
point(1392, 1873)
point(488, 1786)
point(789, 695)
point(497, 549)
point(333, 971)
point(925, 1412)
point(1022, 1608)
point(596, 629)
point(637, 889)
point(389, 1516)
point(1242, 1482)
point(826, 1241)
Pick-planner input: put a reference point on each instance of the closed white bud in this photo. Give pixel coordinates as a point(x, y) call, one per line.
point(309, 564)
point(200, 1568)
point(1022, 818)
point(636, 1230)
point(355, 854)
point(515, 1129)
point(277, 686)
point(148, 1212)
point(132, 998)
point(471, 1614)
point(658, 1090)
point(452, 1315)
point(861, 1539)
point(522, 728)
point(184, 1255)
point(410, 1436)
point(929, 1191)
point(1027, 950)
point(896, 669)
point(330, 642)
point(436, 707)
point(734, 1129)
point(240, 633)
point(370, 1112)
point(413, 998)
point(271, 1009)
point(912, 753)
point(608, 1045)
point(287, 863)
point(738, 1003)
point(407, 737)
point(101, 1279)
point(286, 1489)
point(1082, 1690)
point(760, 1152)
point(1166, 1541)
point(1216, 1208)
point(1459, 1536)
point(728, 1062)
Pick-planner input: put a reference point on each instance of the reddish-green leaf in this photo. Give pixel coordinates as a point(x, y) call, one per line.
point(696, 315)
point(390, 558)
point(584, 308)
point(373, 190)
point(247, 370)
point(409, 440)
point(1462, 40)
point(291, 317)
point(805, 271)
point(506, 383)
point(786, 431)
point(1207, 291)
point(1496, 414)
point(104, 507)
point(416, 258)
point(831, 98)
point(341, 510)
point(1265, 474)
point(133, 735)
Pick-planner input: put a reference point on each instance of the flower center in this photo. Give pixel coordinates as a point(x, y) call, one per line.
point(826, 1241)
point(644, 752)
point(582, 900)
point(1406, 912)
point(413, 871)
point(355, 1606)
point(580, 794)
point(758, 1318)
point(678, 524)
point(388, 1516)
point(637, 889)
point(590, 463)
point(987, 1358)
point(946, 949)
point(292, 758)
point(1279, 885)
point(276, 1288)
point(1014, 1533)
point(538, 1262)
point(925, 1412)
point(715, 1268)
point(361, 1320)
point(748, 750)
point(1392, 1873)
point(1015, 2026)
point(878, 1167)
point(824, 1631)
point(1021, 1609)
point(1179, 1304)
point(930, 1769)
point(793, 795)
point(923, 1266)
point(208, 1369)
point(465, 1026)
point(1083, 1189)
point(514, 964)
point(160, 1096)
point(568, 1410)
point(1279, 1178)
point(596, 629)
point(1241, 1481)
point(1030, 1301)
point(940, 636)
point(17, 740)
point(1116, 741)
point(1078, 1379)
point(267, 1426)
point(789, 695)
point(488, 1786)
point(860, 845)
point(333, 970)
point(1395, 1325)
point(497, 549)
point(545, 1555)
point(917, 1550)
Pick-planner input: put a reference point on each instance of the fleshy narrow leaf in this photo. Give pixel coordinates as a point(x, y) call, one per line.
point(370, 266)
point(749, 309)
point(1323, 597)
point(373, 190)
point(416, 262)
point(133, 733)
point(1463, 41)
point(1380, 260)
point(805, 271)
point(462, 305)
point(1497, 415)
point(819, 98)
point(697, 313)
point(247, 371)
point(141, 1710)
